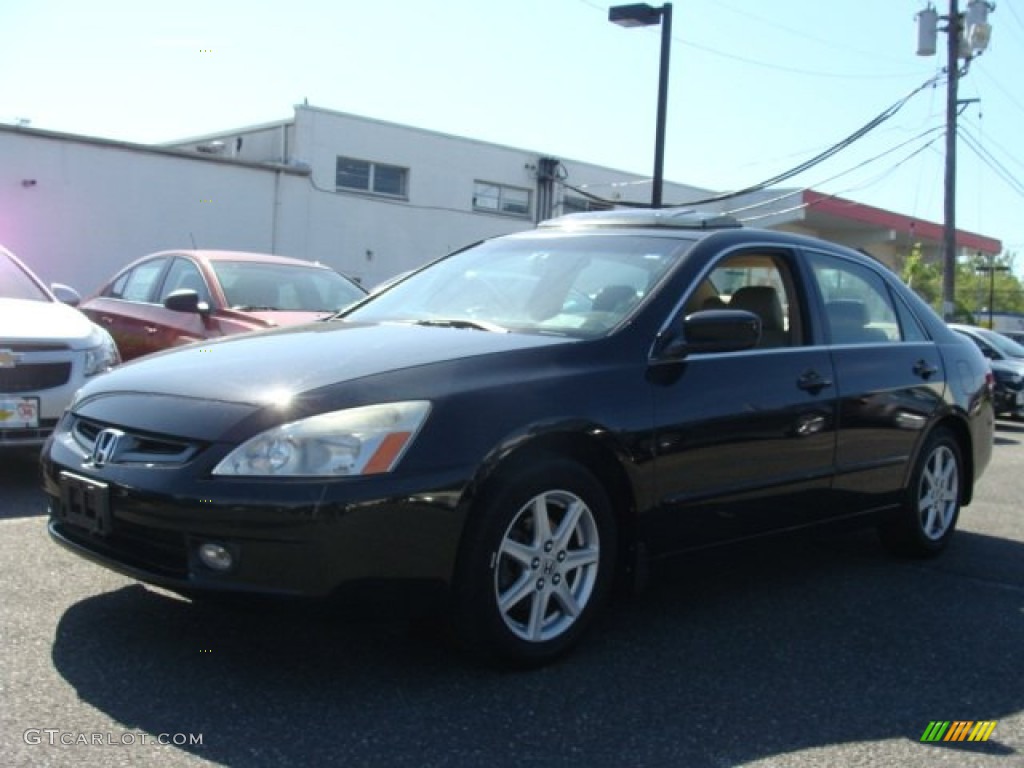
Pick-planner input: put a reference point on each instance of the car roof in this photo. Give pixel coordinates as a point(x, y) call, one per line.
point(209, 255)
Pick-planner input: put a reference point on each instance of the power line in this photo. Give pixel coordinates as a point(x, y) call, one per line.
point(886, 114)
point(769, 65)
point(986, 157)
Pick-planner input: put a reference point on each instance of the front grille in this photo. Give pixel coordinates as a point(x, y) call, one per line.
point(19, 435)
point(134, 447)
point(33, 377)
point(148, 549)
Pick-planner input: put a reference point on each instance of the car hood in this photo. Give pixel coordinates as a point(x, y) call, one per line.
point(265, 367)
point(44, 322)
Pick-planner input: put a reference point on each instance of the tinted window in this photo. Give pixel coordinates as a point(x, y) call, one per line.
point(858, 306)
point(759, 283)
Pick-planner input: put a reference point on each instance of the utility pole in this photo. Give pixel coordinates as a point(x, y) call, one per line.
point(953, 33)
point(967, 36)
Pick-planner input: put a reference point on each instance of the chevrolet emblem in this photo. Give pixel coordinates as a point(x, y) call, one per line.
point(8, 359)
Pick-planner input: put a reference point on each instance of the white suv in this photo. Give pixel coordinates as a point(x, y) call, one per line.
point(47, 351)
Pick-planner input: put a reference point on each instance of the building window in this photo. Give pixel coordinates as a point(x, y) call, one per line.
point(378, 178)
point(497, 198)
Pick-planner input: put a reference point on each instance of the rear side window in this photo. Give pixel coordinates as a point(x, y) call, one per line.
point(858, 306)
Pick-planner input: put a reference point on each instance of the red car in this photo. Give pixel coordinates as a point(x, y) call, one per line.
point(172, 298)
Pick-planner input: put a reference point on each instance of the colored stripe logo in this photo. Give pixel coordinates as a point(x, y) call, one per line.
point(958, 730)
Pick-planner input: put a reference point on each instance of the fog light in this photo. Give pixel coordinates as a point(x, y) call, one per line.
point(215, 556)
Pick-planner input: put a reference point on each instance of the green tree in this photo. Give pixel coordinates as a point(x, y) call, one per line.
point(923, 278)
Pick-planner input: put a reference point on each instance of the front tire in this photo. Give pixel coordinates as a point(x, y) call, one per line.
point(925, 523)
point(537, 562)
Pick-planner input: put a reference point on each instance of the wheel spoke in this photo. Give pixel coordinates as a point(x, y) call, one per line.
point(580, 558)
point(515, 594)
point(538, 608)
point(541, 521)
point(521, 553)
point(566, 599)
point(569, 523)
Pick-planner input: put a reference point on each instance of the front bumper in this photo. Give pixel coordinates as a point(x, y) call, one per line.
point(302, 539)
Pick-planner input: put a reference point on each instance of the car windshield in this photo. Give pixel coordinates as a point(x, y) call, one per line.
point(15, 282)
point(1004, 344)
point(251, 286)
point(577, 285)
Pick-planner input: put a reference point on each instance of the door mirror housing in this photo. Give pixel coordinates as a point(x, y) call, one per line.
point(713, 330)
point(186, 300)
point(65, 294)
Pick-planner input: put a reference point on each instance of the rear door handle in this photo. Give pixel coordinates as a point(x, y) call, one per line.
point(151, 330)
point(924, 369)
point(811, 381)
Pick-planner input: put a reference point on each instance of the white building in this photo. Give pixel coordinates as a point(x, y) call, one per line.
point(367, 197)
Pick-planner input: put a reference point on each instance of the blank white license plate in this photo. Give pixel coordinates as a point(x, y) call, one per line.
point(19, 412)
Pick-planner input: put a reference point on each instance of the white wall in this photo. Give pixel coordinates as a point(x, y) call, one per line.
point(95, 206)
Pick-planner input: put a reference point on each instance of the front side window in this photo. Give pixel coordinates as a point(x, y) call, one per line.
point(366, 176)
point(858, 305)
point(759, 283)
point(499, 198)
point(184, 275)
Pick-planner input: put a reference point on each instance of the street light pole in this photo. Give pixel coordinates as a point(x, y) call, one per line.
point(644, 15)
point(992, 268)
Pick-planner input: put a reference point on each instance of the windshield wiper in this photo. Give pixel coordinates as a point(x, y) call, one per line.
point(476, 325)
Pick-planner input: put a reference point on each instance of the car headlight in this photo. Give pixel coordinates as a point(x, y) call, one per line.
point(356, 441)
point(102, 354)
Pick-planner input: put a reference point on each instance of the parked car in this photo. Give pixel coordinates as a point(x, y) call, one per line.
point(517, 425)
point(48, 349)
point(172, 298)
point(1006, 357)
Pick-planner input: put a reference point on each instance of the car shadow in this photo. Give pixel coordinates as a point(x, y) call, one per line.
point(727, 657)
point(1007, 433)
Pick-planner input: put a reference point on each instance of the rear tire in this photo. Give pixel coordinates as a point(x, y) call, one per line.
point(536, 564)
point(924, 524)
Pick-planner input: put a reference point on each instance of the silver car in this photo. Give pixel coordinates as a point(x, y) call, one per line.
point(47, 351)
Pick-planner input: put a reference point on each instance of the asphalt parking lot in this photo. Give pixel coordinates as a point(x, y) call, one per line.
point(796, 652)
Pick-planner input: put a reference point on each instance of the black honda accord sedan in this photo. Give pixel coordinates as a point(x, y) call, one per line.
point(519, 424)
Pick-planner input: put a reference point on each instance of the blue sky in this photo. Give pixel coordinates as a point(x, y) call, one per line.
point(756, 87)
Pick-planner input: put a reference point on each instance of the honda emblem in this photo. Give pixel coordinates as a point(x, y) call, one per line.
point(105, 448)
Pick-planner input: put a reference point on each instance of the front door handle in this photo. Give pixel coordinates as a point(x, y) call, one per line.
point(812, 381)
point(924, 369)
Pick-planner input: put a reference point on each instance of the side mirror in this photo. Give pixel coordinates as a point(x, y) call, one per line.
point(186, 300)
point(65, 294)
point(713, 330)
